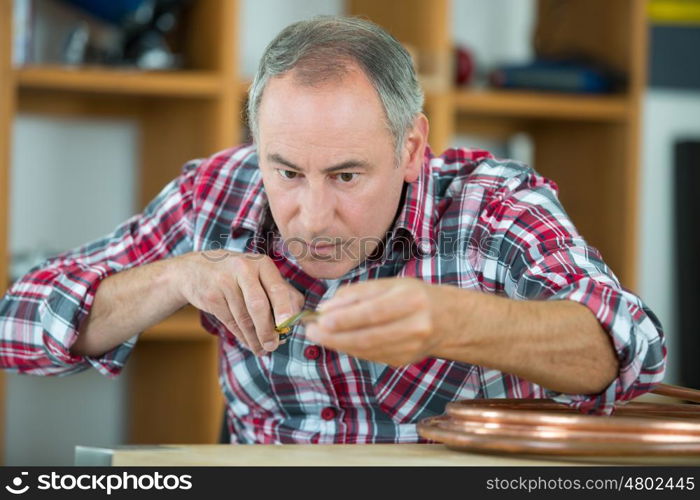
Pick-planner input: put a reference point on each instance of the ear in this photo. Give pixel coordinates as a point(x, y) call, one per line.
point(414, 148)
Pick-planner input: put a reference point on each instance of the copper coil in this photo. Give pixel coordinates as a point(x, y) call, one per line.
point(677, 391)
point(554, 432)
point(524, 440)
point(535, 413)
point(545, 427)
point(685, 411)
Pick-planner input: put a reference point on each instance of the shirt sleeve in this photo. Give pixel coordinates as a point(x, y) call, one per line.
point(41, 313)
point(542, 257)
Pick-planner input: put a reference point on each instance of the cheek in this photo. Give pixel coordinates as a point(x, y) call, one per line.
point(282, 204)
point(386, 192)
point(282, 208)
point(371, 211)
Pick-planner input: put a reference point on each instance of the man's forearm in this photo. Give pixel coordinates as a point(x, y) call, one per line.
point(556, 344)
point(127, 303)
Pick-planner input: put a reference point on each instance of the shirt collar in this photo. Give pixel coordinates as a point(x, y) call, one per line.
point(415, 217)
point(254, 210)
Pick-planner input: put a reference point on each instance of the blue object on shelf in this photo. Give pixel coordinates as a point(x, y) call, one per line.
point(112, 11)
point(563, 76)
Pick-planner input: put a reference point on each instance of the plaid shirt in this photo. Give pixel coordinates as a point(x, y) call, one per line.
point(476, 223)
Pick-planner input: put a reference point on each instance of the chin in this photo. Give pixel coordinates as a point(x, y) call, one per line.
point(325, 269)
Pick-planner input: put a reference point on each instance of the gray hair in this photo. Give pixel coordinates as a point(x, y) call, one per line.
point(321, 48)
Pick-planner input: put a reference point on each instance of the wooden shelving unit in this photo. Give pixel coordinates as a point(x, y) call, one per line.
point(7, 109)
point(587, 144)
point(540, 105)
point(173, 389)
point(121, 82)
point(183, 325)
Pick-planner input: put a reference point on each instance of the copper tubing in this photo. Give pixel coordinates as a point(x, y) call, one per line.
point(511, 412)
point(630, 409)
point(541, 426)
point(544, 441)
point(676, 391)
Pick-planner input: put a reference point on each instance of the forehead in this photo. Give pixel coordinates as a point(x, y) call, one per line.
point(345, 108)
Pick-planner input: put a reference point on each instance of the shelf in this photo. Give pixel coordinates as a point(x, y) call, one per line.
point(243, 88)
point(120, 81)
point(184, 325)
point(531, 104)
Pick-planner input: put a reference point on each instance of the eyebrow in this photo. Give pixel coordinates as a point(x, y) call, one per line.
point(275, 157)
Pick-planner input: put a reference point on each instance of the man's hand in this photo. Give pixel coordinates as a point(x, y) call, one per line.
point(558, 344)
point(245, 292)
point(392, 321)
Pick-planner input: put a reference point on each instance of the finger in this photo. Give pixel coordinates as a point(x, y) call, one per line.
point(352, 293)
point(376, 343)
point(260, 311)
point(392, 305)
point(243, 319)
point(223, 314)
point(283, 297)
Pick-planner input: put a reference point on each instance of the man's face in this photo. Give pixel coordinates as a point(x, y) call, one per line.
point(328, 166)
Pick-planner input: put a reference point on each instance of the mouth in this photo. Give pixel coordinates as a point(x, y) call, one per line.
point(322, 242)
point(317, 249)
point(320, 246)
point(322, 250)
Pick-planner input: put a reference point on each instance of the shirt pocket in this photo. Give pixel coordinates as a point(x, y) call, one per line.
point(413, 392)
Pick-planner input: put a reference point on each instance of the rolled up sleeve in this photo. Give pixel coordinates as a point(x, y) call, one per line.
point(546, 259)
point(637, 338)
point(42, 312)
point(63, 312)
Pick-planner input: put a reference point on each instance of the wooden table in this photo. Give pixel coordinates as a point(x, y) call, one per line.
point(338, 454)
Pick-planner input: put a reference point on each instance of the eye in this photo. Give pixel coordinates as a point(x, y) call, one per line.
point(346, 177)
point(287, 174)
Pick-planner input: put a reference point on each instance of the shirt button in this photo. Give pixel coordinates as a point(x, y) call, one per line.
point(328, 413)
point(312, 352)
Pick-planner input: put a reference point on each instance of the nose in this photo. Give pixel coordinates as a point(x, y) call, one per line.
point(317, 211)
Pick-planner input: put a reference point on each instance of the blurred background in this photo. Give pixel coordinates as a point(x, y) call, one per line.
point(101, 102)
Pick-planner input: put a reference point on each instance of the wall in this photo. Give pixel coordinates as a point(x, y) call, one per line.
point(496, 32)
point(668, 115)
point(72, 181)
point(259, 26)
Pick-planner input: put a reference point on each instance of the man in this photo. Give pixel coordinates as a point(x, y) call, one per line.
point(419, 264)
